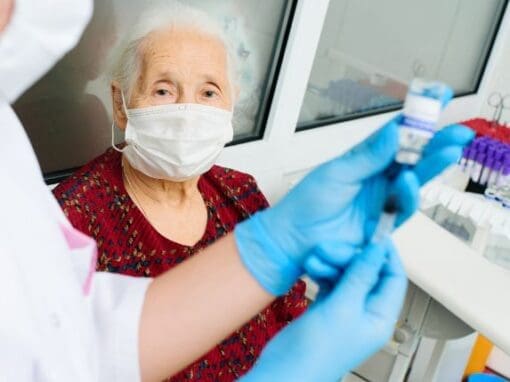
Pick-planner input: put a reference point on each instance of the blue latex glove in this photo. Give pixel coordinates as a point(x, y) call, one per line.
point(443, 150)
point(334, 210)
point(345, 327)
point(325, 270)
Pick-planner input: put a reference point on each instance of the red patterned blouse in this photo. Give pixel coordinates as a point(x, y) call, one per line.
point(96, 202)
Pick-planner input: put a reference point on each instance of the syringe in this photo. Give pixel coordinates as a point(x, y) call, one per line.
point(386, 223)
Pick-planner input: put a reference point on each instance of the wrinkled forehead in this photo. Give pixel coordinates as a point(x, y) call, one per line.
point(184, 51)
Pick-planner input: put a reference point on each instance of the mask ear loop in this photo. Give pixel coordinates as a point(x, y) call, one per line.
point(113, 140)
point(113, 125)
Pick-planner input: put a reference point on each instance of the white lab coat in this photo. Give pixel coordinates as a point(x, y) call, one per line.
point(59, 320)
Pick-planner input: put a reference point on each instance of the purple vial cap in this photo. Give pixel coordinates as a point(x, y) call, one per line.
point(498, 165)
point(482, 147)
point(499, 154)
point(480, 157)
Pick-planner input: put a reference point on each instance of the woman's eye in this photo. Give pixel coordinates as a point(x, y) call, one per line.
point(162, 92)
point(209, 93)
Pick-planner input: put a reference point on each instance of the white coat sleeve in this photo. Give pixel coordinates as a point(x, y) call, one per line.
point(117, 303)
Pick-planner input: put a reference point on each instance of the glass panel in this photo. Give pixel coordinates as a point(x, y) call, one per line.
point(67, 114)
point(370, 49)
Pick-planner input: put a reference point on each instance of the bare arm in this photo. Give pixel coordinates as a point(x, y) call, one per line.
point(191, 308)
point(6, 8)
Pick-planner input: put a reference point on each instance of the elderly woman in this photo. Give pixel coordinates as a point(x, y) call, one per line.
point(159, 199)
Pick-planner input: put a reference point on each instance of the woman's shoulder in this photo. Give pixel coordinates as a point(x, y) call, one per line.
point(237, 186)
point(230, 177)
point(88, 182)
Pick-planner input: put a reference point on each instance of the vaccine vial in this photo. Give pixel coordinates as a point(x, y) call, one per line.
point(464, 158)
point(486, 171)
point(504, 176)
point(478, 167)
point(470, 162)
point(493, 177)
point(422, 108)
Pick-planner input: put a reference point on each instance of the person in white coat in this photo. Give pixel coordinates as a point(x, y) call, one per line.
point(62, 321)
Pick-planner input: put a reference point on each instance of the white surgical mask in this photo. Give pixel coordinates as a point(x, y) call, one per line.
point(37, 36)
point(176, 141)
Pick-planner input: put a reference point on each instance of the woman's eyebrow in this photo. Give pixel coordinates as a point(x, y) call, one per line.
point(159, 80)
point(162, 79)
point(213, 83)
point(208, 78)
point(211, 79)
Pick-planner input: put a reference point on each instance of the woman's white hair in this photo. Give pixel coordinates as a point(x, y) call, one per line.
point(125, 61)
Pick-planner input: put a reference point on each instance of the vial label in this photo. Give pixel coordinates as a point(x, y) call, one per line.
point(411, 144)
point(417, 126)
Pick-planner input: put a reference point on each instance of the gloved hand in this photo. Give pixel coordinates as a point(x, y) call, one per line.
point(325, 271)
point(335, 209)
point(342, 329)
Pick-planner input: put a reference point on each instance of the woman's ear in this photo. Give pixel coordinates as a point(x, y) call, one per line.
point(119, 113)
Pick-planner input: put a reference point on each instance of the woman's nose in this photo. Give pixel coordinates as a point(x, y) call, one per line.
point(186, 97)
